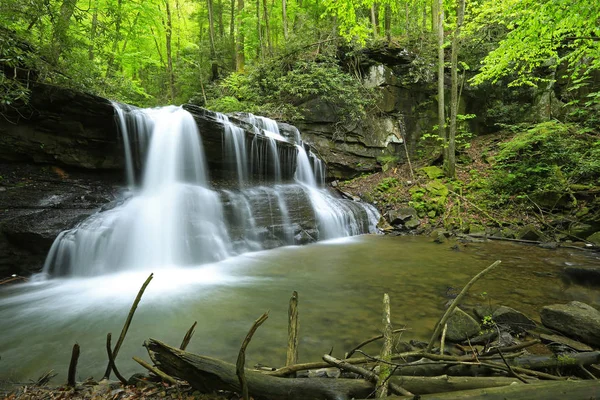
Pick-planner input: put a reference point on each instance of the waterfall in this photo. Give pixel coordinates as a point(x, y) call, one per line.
point(173, 217)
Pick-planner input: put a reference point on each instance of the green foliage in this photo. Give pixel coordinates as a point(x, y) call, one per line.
point(386, 184)
point(547, 157)
point(282, 89)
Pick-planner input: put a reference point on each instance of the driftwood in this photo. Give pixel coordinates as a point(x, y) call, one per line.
point(208, 374)
point(111, 360)
point(126, 325)
point(448, 313)
point(369, 375)
point(155, 371)
point(572, 390)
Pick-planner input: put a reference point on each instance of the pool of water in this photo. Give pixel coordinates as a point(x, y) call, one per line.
point(340, 284)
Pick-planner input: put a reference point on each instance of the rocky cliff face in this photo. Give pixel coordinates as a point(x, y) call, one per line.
point(403, 113)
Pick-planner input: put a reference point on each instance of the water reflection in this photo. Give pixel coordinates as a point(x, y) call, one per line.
point(340, 285)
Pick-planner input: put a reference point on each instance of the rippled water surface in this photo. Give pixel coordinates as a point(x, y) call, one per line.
point(340, 285)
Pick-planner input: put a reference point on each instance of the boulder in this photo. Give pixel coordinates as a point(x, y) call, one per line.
point(530, 232)
point(461, 326)
point(401, 215)
point(575, 319)
point(412, 223)
point(515, 320)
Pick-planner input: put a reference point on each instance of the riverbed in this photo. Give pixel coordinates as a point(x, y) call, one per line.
point(340, 284)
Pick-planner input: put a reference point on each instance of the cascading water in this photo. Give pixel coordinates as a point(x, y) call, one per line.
point(172, 217)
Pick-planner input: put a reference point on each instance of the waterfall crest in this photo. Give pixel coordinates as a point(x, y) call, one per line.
point(172, 217)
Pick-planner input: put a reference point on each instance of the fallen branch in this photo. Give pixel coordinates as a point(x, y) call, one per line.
point(241, 360)
point(155, 371)
point(444, 383)
point(207, 374)
point(369, 375)
point(370, 340)
point(572, 390)
point(111, 361)
point(127, 323)
point(457, 300)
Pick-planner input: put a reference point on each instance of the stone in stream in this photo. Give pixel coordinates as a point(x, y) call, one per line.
point(461, 326)
point(583, 275)
point(575, 319)
point(505, 317)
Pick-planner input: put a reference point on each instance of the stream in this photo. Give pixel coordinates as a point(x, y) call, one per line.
point(340, 284)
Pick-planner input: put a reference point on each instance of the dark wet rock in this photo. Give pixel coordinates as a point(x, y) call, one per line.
point(530, 232)
point(439, 236)
point(401, 215)
point(64, 127)
point(573, 344)
point(581, 230)
point(509, 317)
point(461, 326)
point(412, 223)
point(41, 201)
point(484, 338)
point(587, 276)
point(575, 319)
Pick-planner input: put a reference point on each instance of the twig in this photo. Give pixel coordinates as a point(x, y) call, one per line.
point(587, 372)
point(370, 340)
point(188, 337)
point(513, 348)
point(73, 366)
point(111, 360)
point(293, 326)
point(155, 371)
point(241, 360)
point(443, 340)
point(369, 375)
point(127, 323)
point(510, 369)
point(290, 369)
point(458, 298)
point(45, 378)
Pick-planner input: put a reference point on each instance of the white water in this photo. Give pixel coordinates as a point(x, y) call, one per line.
point(173, 218)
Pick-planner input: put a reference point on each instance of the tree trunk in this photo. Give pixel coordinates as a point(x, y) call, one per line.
point(168, 35)
point(284, 18)
point(220, 18)
point(232, 35)
point(239, 44)
point(388, 22)
point(93, 30)
point(113, 51)
point(374, 19)
point(441, 102)
point(434, 15)
point(450, 162)
point(208, 374)
point(267, 27)
point(59, 34)
point(211, 34)
point(260, 50)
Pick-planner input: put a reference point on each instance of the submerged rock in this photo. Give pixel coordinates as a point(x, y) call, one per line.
point(587, 276)
point(575, 319)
